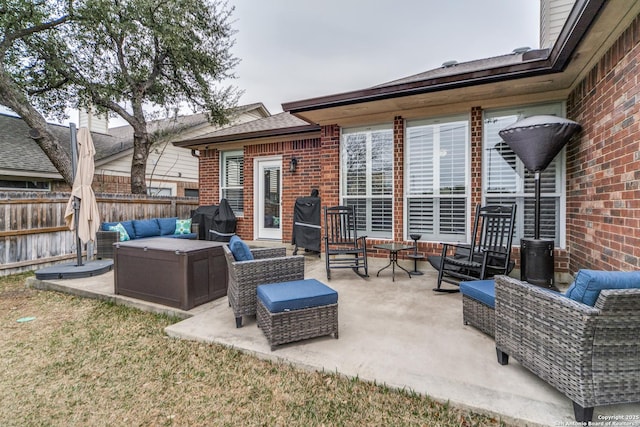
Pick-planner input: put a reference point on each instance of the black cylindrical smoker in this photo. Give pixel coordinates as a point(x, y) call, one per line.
point(537, 140)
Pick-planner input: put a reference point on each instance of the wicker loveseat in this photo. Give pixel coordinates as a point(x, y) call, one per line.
point(140, 229)
point(270, 265)
point(590, 354)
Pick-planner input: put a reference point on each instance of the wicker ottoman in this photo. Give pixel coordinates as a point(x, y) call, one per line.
point(296, 310)
point(478, 305)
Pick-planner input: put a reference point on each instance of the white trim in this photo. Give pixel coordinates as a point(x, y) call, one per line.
point(257, 161)
point(467, 179)
point(162, 185)
point(387, 126)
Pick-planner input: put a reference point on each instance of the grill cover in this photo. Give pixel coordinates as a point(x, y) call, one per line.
point(306, 223)
point(217, 222)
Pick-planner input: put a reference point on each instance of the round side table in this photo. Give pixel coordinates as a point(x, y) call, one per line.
point(415, 256)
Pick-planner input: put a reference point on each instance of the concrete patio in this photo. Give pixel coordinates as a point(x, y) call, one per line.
point(401, 334)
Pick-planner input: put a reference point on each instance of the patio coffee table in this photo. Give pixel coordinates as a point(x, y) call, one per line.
point(178, 273)
point(393, 249)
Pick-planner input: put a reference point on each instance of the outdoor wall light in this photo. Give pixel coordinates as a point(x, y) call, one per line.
point(293, 164)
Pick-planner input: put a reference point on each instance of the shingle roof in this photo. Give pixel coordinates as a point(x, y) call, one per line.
point(277, 121)
point(455, 68)
point(21, 153)
point(276, 125)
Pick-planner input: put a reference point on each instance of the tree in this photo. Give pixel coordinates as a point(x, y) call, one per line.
point(19, 21)
point(125, 56)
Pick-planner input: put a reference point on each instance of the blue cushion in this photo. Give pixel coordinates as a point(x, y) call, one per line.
point(588, 284)
point(167, 225)
point(126, 224)
point(480, 290)
point(146, 228)
point(239, 249)
point(296, 295)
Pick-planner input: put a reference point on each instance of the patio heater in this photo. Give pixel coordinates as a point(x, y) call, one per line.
point(537, 140)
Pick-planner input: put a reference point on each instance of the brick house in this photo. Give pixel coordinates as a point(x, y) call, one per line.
point(419, 153)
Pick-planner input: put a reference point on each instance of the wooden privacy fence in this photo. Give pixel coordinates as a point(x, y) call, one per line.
point(33, 232)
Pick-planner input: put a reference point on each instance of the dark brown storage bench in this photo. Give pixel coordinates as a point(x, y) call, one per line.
point(174, 272)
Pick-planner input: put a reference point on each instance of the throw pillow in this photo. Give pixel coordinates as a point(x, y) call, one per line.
point(588, 284)
point(128, 225)
point(183, 226)
point(239, 249)
point(167, 225)
point(124, 236)
point(146, 228)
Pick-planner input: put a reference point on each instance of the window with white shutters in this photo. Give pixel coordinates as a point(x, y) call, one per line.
point(437, 179)
point(232, 180)
point(508, 181)
point(367, 178)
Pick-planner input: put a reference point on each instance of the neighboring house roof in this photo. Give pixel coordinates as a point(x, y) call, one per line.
point(22, 157)
point(281, 124)
point(188, 123)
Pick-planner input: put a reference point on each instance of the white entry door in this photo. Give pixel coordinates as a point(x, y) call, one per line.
point(269, 198)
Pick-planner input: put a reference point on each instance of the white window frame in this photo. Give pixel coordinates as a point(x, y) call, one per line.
point(364, 227)
point(557, 109)
point(436, 195)
point(160, 189)
point(223, 174)
point(25, 185)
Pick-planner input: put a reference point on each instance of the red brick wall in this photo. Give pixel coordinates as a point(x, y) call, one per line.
point(398, 178)
point(330, 165)
point(209, 175)
point(603, 164)
point(294, 184)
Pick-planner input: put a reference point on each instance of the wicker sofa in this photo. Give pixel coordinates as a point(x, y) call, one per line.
point(270, 265)
point(590, 354)
point(139, 229)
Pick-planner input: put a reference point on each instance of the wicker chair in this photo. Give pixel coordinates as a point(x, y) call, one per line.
point(270, 265)
point(590, 354)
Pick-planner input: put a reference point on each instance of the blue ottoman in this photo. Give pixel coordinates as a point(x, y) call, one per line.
point(478, 305)
point(297, 310)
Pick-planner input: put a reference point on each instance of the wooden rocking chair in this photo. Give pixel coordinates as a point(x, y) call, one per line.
point(488, 254)
point(342, 246)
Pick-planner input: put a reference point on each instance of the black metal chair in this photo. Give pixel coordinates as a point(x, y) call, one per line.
point(342, 246)
point(488, 254)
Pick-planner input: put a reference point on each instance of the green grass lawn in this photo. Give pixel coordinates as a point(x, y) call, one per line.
point(89, 363)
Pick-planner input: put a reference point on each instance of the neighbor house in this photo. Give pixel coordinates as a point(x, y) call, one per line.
point(417, 154)
point(171, 171)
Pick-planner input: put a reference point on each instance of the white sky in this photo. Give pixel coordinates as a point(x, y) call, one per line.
point(292, 50)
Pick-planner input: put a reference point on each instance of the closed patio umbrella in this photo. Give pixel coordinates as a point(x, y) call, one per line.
point(82, 213)
point(87, 222)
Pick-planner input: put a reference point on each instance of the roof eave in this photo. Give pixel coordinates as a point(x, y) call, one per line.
point(420, 87)
point(281, 132)
point(579, 21)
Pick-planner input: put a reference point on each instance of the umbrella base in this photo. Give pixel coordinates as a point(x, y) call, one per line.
point(73, 271)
